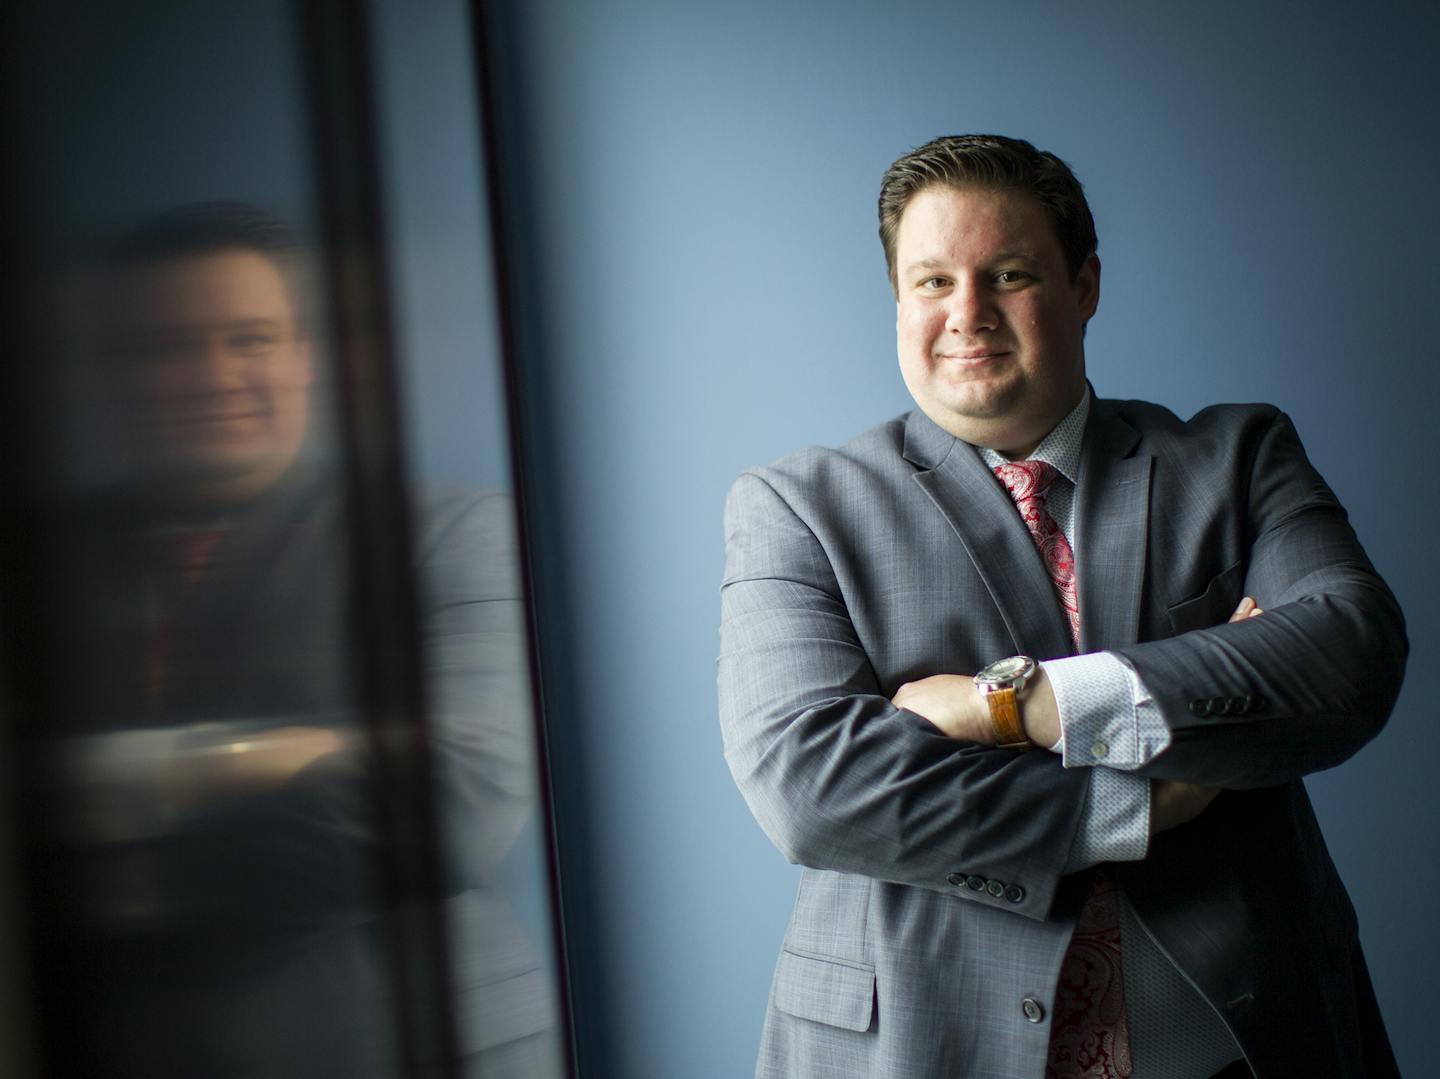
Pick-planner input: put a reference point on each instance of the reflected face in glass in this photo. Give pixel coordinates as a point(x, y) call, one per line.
point(989, 324)
point(218, 373)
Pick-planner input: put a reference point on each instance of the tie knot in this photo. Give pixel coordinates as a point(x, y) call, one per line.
point(1027, 480)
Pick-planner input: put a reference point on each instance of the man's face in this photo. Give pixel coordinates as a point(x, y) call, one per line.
point(218, 372)
point(988, 324)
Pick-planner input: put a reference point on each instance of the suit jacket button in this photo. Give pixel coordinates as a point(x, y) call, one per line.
point(1219, 706)
point(1014, 893)
point(957, 879)
point(995, 888)
point(1254, 702)
point(1200, 708)
point(1032, 1009)
point(975, 884)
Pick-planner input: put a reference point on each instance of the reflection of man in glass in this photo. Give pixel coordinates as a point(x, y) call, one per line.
point(224, 370)
point(232, 843)
point(228, 487)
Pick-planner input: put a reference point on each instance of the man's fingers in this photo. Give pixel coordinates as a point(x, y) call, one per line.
point(1248, 609)
point(1173, 803)
point(950, 702)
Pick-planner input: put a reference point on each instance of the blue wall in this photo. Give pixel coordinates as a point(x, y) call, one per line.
point(703, 290)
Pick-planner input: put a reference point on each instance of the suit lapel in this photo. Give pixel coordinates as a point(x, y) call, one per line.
point(1112, 513)
point(996, 539)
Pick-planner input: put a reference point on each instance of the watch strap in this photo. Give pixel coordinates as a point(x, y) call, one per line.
point(1005, 716)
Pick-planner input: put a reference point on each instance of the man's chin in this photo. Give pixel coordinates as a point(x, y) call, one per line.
point(999, 429)
point(214, 478)
point(971, 407)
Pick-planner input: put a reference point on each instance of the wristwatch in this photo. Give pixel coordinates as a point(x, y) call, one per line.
point(1000, 684)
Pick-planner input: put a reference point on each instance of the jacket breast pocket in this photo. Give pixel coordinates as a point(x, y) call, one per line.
point(829, 991)
point(1213, 606)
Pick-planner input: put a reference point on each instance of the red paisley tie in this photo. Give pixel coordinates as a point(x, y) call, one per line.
point(1089, 1033)
point(1028, 483)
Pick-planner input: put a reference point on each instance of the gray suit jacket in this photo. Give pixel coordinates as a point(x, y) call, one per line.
point(851, 571)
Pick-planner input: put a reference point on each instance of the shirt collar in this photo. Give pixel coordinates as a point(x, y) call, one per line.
point(1060, 448)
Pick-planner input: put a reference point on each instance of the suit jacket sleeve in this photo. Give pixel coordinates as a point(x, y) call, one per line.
point(477, 666)
point(836, 775)
point(1306, 684)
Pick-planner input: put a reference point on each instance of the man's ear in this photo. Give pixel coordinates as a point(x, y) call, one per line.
point(1087, 287)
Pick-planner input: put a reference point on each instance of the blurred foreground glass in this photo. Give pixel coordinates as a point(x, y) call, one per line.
point(268, 693)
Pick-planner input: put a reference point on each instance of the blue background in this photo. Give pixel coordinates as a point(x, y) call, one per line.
point(702, 290)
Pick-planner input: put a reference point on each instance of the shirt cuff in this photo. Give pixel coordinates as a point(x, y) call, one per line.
point(1107, 716)
point(1115, 824)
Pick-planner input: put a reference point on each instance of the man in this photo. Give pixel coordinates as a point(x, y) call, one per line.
point(226, 865)
point(1104, 864)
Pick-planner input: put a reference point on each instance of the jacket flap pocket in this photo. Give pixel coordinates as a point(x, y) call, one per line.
point(828, 991)
point(1213, 606)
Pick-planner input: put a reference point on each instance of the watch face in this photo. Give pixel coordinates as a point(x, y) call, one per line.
point(1006, 670)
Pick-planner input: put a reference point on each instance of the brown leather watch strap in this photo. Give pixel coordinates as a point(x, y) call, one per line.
point(1009, 731)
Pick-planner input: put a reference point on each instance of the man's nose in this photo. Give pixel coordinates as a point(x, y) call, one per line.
point(972, 309)
point(212, 365)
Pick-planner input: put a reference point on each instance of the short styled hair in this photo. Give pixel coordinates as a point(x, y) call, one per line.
point(998, 163)
point(208, 228)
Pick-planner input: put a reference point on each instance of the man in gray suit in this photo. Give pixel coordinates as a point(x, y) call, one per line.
point(1142, 780)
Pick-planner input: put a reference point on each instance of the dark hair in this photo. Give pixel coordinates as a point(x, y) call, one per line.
point(207, 228)
point(998, 163)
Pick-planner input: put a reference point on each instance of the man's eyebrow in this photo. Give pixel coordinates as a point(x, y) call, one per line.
point(170, 330)
point(999, 256)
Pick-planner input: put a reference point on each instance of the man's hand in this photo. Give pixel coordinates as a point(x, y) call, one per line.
point(952, 703)
point(1172, 802)
point(250, 765)
point(1248, 609)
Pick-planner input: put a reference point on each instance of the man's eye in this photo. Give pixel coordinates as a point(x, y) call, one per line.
point(250, 343)
point(934, 282)
point(1010, 277)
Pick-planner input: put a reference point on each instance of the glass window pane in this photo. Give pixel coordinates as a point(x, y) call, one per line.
point(267, 673)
